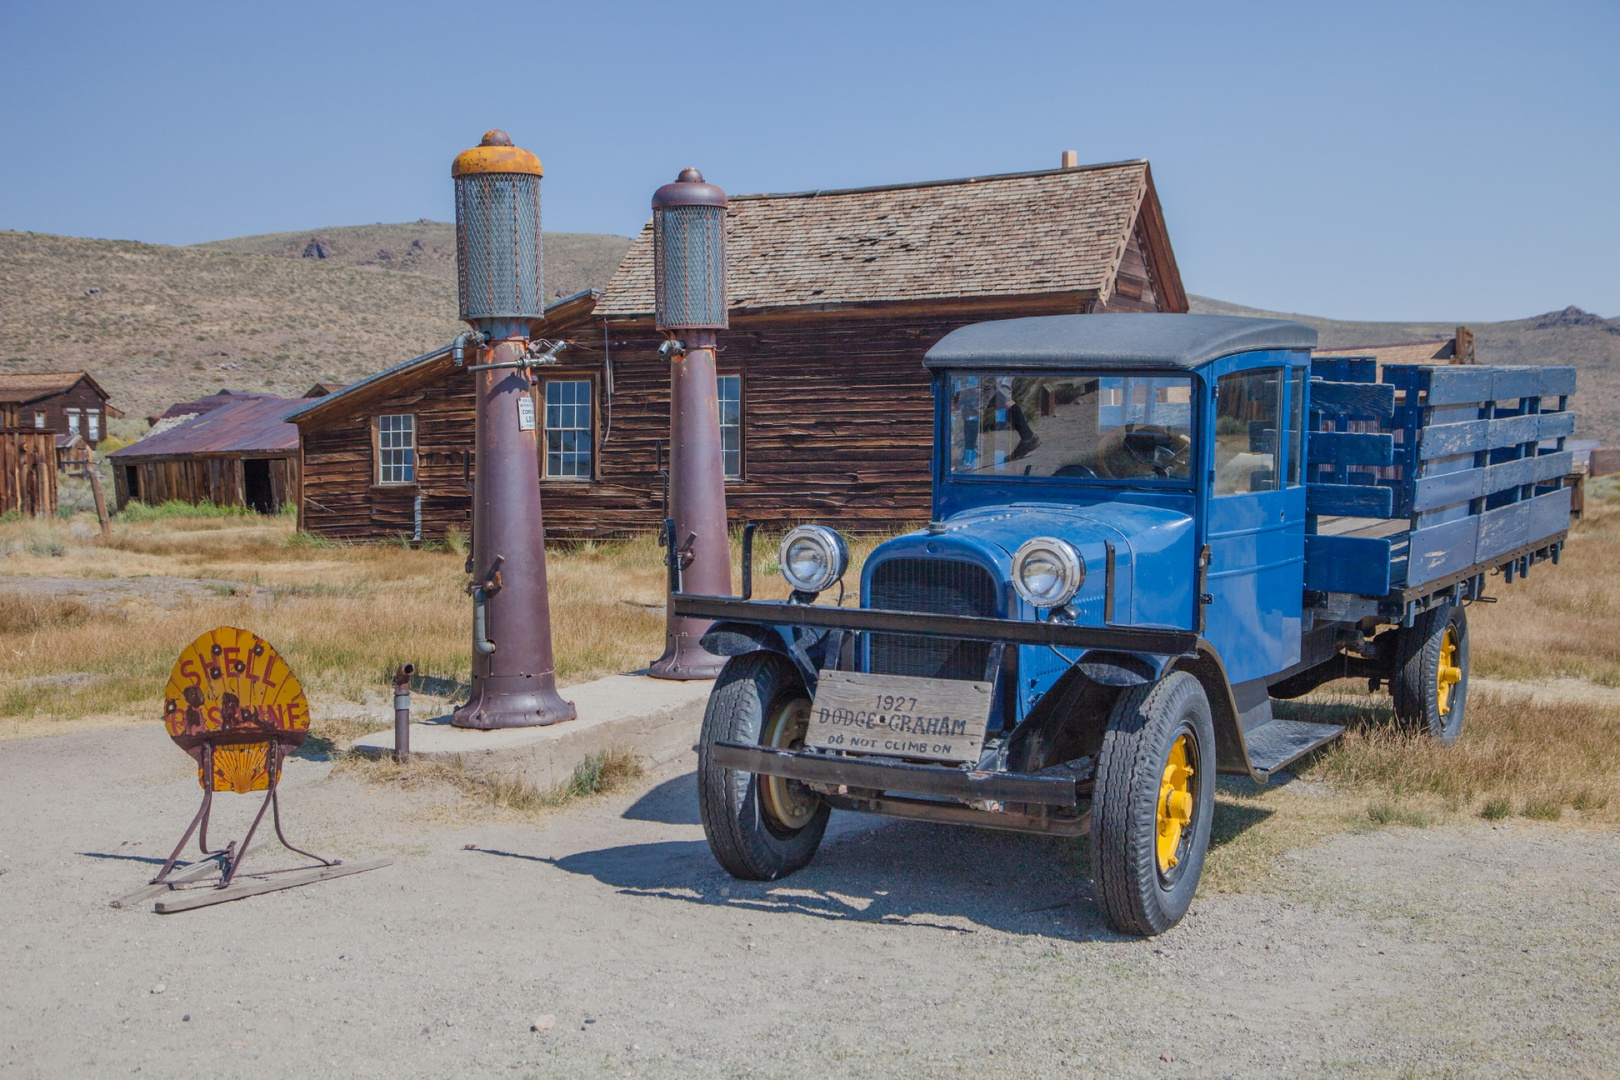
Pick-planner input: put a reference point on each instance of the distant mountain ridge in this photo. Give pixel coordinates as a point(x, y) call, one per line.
point(278, 312)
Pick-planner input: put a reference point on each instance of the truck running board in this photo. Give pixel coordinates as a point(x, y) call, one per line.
point(1278, 742)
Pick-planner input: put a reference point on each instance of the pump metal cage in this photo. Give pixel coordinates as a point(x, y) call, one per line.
point(689, 267)
point(498, 246)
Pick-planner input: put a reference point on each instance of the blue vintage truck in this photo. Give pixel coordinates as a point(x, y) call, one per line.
point(1145, 528)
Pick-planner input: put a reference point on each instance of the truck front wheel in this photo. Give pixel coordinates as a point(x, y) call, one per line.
point(1430, 683)
point(760, 828)
point(1152, 806)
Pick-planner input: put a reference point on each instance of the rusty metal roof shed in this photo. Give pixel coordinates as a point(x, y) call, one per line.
point(247, 427)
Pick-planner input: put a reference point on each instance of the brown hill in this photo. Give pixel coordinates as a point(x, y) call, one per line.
point(574, 261)
point(157, 324)
point(1571, 336)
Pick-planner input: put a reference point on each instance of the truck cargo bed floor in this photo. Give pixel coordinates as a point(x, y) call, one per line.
point(1277, 742)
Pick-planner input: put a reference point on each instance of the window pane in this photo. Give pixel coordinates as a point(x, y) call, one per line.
point(1081, 427)
point(1247, 410)
point(568, 429)
point(396, 449)
point(1296, 424)
point(729, 389)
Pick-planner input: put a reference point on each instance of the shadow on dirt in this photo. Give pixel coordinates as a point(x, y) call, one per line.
point(674, 802)
point(877, 870)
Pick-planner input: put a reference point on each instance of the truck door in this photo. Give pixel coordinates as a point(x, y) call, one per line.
point(1255, 522)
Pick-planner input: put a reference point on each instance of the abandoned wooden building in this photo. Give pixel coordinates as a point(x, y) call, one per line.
point(61, 402)
point(826, 410)
point(241, 454)
point(27, 472)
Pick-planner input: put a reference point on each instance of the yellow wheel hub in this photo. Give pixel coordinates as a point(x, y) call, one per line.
point(1449, 674)
point(1175, 802)
point(789, 803)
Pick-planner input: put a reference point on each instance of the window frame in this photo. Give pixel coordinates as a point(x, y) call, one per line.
point(92, 425)
point(1280, 402)
point(1198, 383)
point(41, 423)
point(741, 474)
point(377, 452)
point(542, 428)
point(73, 422)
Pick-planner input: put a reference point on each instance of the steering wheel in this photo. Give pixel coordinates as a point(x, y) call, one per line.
point(1083, 472)
point(1154, 446)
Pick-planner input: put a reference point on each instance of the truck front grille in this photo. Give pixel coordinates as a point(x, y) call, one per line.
point(940, 587)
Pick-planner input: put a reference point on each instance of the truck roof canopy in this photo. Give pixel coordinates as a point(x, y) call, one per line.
point(1145, 340)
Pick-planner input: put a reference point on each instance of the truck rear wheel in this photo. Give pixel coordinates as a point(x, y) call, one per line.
point(1430, 683)
point(760, 828)
point(1154, 799)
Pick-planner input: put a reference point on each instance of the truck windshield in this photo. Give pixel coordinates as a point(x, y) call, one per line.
point(1086, 427)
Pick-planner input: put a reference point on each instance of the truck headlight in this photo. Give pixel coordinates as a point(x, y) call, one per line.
point(813, 557)
point(1047, 572)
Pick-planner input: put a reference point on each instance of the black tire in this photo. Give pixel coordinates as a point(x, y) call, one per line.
point(1426, 694)
point(748, 839)
point(1137, 893)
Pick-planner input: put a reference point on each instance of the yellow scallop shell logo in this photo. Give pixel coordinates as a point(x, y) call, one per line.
point(232, 689)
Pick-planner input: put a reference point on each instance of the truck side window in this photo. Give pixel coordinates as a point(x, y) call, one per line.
point(1248, 409)
point(1296, 424)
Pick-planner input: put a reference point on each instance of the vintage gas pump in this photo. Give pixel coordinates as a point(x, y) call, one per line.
point(498, 265)
point(689, 289)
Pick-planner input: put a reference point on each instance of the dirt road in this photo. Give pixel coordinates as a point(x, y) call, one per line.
point(904, 950)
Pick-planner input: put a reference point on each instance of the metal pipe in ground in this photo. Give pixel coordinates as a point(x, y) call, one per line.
point(402, 712)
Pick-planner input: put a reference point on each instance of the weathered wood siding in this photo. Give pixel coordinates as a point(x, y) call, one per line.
point(81, 396)
point(200, 478)
point(28, 472)
point(1133, 286)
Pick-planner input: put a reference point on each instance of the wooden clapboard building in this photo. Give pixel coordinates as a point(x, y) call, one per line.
point(826, 409)
point(237, 454)
point(61, 402)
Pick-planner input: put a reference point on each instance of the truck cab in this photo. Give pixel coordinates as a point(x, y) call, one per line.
point(1137, 542)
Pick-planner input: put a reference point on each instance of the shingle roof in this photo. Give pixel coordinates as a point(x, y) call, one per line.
point(30, 386)
point(254, 426)
point(1057, 231)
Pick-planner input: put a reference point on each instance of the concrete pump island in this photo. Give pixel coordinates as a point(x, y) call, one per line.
point(1111, 655)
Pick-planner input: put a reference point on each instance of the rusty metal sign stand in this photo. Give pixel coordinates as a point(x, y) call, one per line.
point(198, 891)
point(234, 706)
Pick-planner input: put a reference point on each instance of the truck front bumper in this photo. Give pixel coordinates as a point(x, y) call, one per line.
point(1127, 639)
point(1022, 802)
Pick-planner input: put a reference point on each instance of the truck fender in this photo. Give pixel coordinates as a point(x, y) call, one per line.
point(1231, 753)
point(739, 639)
point(1069, 719)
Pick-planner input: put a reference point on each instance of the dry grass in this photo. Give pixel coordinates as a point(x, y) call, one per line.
point(599, 774)
point(344, 616)
point(1563, 621)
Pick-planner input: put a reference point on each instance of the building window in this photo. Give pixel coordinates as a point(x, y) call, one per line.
point(730, 395)
point(73, 420)
point(39, 419)
point(568, 430)
point(396, 449)
point(92, 420)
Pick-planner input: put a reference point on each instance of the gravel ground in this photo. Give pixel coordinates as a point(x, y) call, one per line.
point(904, 950)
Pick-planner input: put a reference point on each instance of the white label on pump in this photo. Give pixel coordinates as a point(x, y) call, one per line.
point(525, 413)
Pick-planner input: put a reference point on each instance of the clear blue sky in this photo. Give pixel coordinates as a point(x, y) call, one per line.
point(1360, 160)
